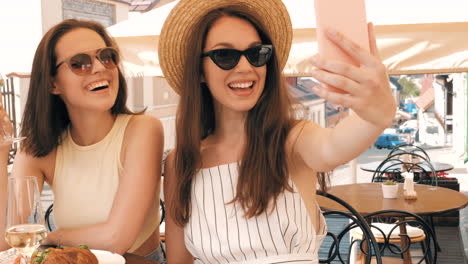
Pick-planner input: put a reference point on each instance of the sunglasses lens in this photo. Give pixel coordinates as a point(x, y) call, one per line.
point(81, 64)
point(258, 56)
point(109, 58)
point(226, 59)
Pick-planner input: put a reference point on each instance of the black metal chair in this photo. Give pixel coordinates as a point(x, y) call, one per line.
point(397, 232)
point(395, 164)
point(407, 148)
point(49, 219)
point(339, 250)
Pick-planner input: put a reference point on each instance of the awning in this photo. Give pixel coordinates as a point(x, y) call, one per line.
point(417, 36)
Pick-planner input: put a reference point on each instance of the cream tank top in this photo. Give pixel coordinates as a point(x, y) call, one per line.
point(86, 179)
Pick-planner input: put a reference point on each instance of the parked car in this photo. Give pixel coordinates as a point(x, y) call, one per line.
point(408, 126)
point(388, 141)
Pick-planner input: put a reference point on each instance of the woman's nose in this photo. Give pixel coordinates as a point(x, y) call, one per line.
point(243, 64)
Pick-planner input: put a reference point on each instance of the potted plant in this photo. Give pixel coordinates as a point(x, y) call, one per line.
point(390, 189)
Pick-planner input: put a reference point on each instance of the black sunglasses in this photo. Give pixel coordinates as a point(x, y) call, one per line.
point(82, 63)
point(227, 59)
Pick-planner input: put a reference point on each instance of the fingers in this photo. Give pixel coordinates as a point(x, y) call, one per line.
point(342, 82)
point(351, 48)
point(5, 122)
point(372, 41)
point(338, 67)
point(345, 100)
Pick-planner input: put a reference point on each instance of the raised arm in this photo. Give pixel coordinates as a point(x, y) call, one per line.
point(368, 95)
point(4, 151)
point(176, 252)
point(138, 189)
point(23, 165)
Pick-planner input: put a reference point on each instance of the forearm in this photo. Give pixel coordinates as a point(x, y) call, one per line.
point(3, 195)
point(98, 236)
point(351, 137)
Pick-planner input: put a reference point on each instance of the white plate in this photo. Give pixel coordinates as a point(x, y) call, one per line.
point(107, 257)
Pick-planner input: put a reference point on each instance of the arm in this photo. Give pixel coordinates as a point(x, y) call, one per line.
point(23, 165)
point(3, 193)
point(138, 188)
point(176, 252)
point(369, 96)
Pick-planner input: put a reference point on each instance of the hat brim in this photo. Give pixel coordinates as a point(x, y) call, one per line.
point(187, 14)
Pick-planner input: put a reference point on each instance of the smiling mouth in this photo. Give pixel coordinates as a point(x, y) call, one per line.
point(97, 86)
point(243, 85)
point(100, 88)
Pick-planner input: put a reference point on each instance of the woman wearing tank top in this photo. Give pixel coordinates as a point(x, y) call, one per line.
point(240, 185)
point(102, 161)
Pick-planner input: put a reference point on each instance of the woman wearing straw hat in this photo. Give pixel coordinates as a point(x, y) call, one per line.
point(239, 185)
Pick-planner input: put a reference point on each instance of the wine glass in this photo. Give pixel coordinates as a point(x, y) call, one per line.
point(8, 130)
point(25, 224)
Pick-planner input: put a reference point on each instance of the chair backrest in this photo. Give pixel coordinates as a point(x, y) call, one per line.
point(49, 219)
point(368, 246)
point(407, 148)
point(162, 211)
point(395, 164)
point(402, 219)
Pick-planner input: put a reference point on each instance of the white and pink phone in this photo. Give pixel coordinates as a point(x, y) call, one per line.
point(345, 16)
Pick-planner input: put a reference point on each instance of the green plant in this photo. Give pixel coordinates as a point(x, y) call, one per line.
point(389, 182)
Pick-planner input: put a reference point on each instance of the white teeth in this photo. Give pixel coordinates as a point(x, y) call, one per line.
point(97, 84)
point(241, 85)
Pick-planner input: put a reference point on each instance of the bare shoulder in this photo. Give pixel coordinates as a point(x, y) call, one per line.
point(170, 162)
point(141, 123)
point(143, 133)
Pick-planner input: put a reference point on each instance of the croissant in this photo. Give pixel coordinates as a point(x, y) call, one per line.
point(69, 255)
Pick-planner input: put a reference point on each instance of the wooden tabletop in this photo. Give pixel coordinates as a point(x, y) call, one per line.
point(367, 198)
point(135, 259)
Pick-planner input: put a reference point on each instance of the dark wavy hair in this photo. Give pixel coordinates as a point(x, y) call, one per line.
point(263, 172)
point(45, 116)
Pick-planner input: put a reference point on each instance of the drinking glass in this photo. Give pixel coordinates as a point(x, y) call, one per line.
point(25, 227)
point(8, 132)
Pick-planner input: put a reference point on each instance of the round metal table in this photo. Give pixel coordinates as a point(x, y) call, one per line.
point(438, 166)
point(367, 198)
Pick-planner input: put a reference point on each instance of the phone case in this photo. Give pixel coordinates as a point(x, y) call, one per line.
point(345, 16)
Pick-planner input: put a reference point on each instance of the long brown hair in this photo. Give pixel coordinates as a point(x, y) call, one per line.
point(45, 116)
point(263, 173)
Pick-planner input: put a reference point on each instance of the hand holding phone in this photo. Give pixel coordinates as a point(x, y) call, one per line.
point(347, 17)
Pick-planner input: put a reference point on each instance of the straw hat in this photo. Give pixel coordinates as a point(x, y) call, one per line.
point(187, 14)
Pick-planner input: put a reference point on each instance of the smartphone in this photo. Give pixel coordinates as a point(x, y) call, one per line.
point(345, 16)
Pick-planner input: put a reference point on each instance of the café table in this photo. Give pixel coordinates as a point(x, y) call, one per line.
point(367, 198)
point(438, 166)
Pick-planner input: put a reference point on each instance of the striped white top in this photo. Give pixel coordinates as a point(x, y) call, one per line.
point(218, 232)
